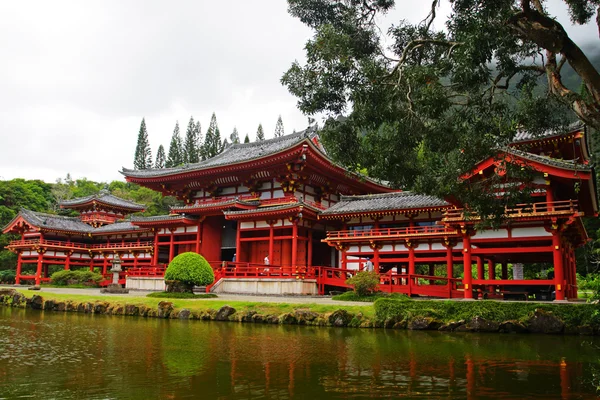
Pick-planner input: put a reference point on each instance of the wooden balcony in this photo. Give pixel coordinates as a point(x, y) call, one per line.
point(555, 208)
point(98, 247)
point(390, 233)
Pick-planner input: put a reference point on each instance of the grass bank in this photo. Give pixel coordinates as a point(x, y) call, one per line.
point(396, 313)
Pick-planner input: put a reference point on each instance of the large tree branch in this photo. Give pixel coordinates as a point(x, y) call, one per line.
point(547, 33)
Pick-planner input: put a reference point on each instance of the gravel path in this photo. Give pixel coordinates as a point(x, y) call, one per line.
point(232, 297)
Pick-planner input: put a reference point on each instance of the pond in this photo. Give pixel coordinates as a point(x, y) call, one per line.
point(46, 355)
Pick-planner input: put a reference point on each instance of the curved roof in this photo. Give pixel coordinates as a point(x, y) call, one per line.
point(68, 224)
point(103, 197)
point(234, 154)
point(396, 201)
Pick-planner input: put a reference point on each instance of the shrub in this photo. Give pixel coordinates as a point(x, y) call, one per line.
point(188, 269)
point(364, 282)
point(79, 277)
point(8, 276)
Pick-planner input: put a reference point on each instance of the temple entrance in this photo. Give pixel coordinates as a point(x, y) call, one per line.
point(228, 236)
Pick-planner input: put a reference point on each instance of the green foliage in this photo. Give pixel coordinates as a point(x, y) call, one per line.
point(260, 133)
point(143, 154)
point(191, 145)
point(161, 158)
point(76, 277)
point(432, 104)
point(175, 156)
point(447, 311)
point(212, 143)
point(191, 269)
point(247, 139)
point(279, 128)
point(8, 276)
point(353, 296)
point(590, 283)
point(364, 282)
point(182, 295)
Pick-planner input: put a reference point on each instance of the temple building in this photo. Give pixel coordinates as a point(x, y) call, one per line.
point(89, 240)
point(279, 216)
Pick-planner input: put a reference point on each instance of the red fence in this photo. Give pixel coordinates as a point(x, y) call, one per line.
point(392, 232)
point(520, 210)
point(72, 245)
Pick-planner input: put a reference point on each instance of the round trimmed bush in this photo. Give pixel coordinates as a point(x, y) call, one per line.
point(188, 270)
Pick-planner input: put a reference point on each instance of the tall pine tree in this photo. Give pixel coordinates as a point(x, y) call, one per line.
point(247, 139)
point(198, 133)
point(143, 154)
point(279, 128)
point(175, 157)
point(235, 136)
point(212, 143)
point(161, 158)
point(260, 133)
point(190, 145)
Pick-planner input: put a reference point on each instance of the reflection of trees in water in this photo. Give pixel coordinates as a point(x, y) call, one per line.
point(152, 358)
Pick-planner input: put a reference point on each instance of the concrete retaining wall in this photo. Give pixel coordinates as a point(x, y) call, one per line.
point(266, 286)
point(145, 283)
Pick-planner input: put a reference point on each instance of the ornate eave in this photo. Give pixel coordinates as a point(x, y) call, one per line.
point(164, 220)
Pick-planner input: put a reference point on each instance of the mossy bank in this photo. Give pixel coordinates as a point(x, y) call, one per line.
point(479, 316)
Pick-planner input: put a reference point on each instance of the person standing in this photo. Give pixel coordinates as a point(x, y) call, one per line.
point(233, 259)
point(266, 261)
point(369, 265)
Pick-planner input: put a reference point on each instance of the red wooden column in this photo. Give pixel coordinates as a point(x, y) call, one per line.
point(68, 259)
point(105, 263)
point(91, 262)
point(491, 274)
point(40, 262)
point(294, 243)
point(238, 242)
point(155, 255)
point(491, 270)
point(573, 272)
point(375, 248)
point(467, 266)
point(171, 244)
point(449, 268)
point(310, 248)
point(411, 258)
point(19, 266)
point(198, 237)
point(559, 279)
point(271, 242)
point(480, 271)
point(504, 270)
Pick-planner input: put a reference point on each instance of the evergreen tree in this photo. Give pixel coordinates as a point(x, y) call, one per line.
point(279, 128)
point(225, 145)
point(143, 154)
point(212, 144)
point(260, 134)
point(234, 137)
point(161, 158)
point(190, 146)
point(247, 139)
point(198, 134)
point(175, 149)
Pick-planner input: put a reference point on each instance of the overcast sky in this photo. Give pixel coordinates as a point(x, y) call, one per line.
point(76, 77)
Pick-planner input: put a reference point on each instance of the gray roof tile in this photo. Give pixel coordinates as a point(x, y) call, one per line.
point(234, 154)
point(525, 136)
point(554, 162)
point(158, 218)
point(383, 202)
point(103, 197)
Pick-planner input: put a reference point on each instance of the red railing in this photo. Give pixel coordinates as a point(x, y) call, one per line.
point(215, 201)
point(431, 230)
point(520, 210)
point(150, 272)
point(71, 245)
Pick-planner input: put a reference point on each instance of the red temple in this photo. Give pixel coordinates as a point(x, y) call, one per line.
point(284, 203)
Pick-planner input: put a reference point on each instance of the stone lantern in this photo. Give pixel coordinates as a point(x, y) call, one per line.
point(116, 269)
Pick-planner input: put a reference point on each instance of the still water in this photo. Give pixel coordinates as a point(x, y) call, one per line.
point(73, 356)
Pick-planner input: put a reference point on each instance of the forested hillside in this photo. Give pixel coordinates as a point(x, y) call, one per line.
point(37, 195)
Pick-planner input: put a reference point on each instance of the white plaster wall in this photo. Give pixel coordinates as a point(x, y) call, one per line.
point(146, 283)
point(530, 232)
point(247, 225)
point(266, 286)
point(491, 234)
